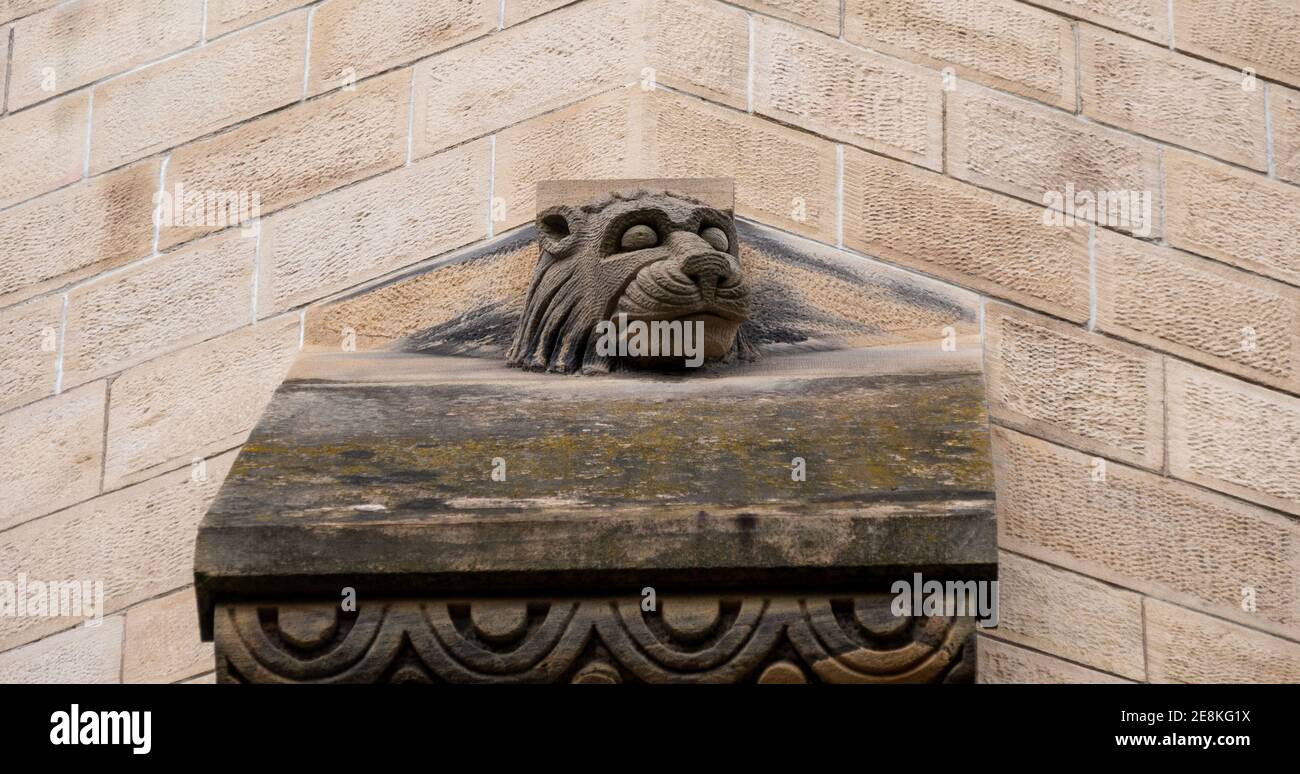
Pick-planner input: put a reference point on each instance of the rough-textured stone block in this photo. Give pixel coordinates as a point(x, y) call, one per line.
point(94, 225)
point(379, 315)
point(138, 542)
point(1003, 663)
point(228, 15)
point(208, 679)
point(13, 9)
point(589, 140)
point(1056, 380)
point(1187, 647)
point(295, 154)
point(700, 47)
point(1069, 615)
point(53, 451)
point(178, 299)
point(29, 349)
point(86, 654)
point(79, 42)
point(997, 42)
point(195, 402)
point(1198, 309)
point(952, 230)
point(521, 72)
point(522, 10)
point(1027, 150)
point(352, 39)
point(875, 102)
point(1232, 215)
point(1285, 106)
point(1234, 436)
point(1147, 19)
point(793, 189)
point(1151, 90)
point(821, 15)
point(1143, 531)
point(50, 139)
point(4, 63)
point(162, 641)
point(374, 227)
point(233, 79)
point(1261, 34)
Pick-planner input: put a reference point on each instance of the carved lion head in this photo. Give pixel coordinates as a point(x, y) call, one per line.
point(648, 256)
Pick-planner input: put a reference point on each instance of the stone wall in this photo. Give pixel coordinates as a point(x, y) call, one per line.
point(1142, 376)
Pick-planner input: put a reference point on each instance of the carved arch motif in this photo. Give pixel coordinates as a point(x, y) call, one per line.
point(718, 639)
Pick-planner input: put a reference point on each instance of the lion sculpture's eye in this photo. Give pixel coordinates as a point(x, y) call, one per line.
point(639, 238)
point(716, 237)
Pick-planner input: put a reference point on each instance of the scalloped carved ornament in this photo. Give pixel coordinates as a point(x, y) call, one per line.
point(698, 639)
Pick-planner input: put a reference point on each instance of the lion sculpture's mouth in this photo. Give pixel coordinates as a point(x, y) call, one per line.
point(662, 291)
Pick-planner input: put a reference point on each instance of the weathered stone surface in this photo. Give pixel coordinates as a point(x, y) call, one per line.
point(351, 39)
point(1285, 107)
point(50, 139)
point(699, 47)
point(376, 433)
point(4, 65)
point(81, 655)
point(635, 646)
point(1232, 215)
point(178, 299)
point(29, 341)
point(1055, 380)
point(436, 297)
point(988, 242)
point(229, 15)
point(1151, 90)
point(138, 541)
point(793, 189)
point(79, 42)
point(230, 80)
point(716, 192)
point(208, 679)
point(850, 300)
point(373, 227)
point(294, 154)
point(1003, 663)
point(1248, 33)
point(201, 400)
point(1234, 437)
point(522, 10)
point(12, 9)
point(1188, 647)
point(162, 642)
point(875, 102)
point(53, 453)
point(997, 42)
point(1070, 615)
point(821, 15)
point(521, 72)
point(87, 227)
point(1027, 150)
point(1199, 309)
point(591, 139)
point(1143, 531)
point(1144, 18)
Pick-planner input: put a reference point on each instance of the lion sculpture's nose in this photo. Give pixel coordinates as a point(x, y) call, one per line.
point(710, 268)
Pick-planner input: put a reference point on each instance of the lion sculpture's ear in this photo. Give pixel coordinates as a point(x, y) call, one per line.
point(558, 228)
